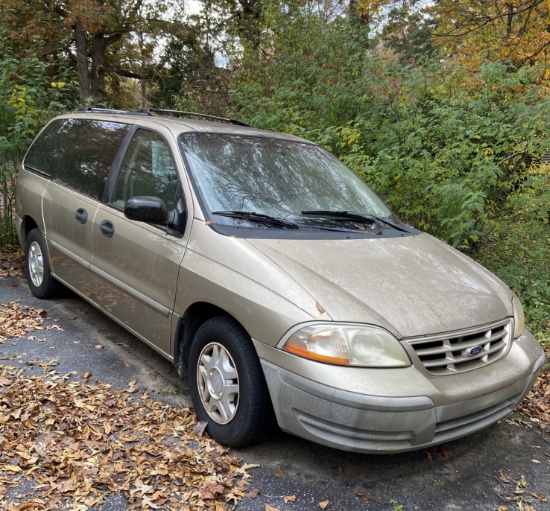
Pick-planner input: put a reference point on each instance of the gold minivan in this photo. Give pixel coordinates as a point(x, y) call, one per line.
point(272, 276)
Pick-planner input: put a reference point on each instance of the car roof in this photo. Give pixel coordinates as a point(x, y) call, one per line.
point(181, 124)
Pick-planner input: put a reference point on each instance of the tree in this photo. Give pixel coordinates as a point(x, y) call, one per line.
point(516, 31)
point(96, 36)
point(185, 75)
point(29, 95)
point(409, 32)
point(511, 30)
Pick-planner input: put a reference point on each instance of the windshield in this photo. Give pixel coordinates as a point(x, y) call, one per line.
point(274, 177)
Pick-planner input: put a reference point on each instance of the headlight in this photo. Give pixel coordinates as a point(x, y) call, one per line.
point(519, 317)
point(347, 344)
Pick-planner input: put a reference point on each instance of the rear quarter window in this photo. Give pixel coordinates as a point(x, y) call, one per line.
point(77, 153)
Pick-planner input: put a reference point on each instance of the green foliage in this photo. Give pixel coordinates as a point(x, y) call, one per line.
point(517, 248)
point(29, 96)
point(192, 81)
point(299, 80)
point(530, 201)
point(447, 158)
point(518, 252)
point(444, 148)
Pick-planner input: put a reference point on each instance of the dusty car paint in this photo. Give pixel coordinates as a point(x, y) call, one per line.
point(174, 285)
point(438, 289)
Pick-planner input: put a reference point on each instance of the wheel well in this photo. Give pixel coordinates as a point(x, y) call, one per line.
point(191, 321)
point(28, 225)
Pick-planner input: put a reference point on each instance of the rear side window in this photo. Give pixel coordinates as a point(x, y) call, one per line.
point(77, 153)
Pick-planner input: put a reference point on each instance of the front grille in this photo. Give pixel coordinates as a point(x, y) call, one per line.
point(458, 352)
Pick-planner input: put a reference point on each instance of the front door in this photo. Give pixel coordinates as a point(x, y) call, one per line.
point(136, 265)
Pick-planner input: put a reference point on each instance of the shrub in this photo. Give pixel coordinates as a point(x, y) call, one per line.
point(29, 96)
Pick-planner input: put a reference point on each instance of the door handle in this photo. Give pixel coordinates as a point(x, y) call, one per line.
point(107, 228)
point(81, 215)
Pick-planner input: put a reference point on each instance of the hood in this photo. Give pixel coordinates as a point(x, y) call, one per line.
point(412, 286)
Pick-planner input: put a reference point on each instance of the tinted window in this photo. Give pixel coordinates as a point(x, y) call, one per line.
point(148, 169)
point(77, 153)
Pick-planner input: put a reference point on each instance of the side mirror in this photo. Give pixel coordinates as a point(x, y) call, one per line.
point(146, 209)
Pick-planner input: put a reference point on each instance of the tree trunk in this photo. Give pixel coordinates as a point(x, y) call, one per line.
point(82, 62)
point(250, 21)
point(99, 47)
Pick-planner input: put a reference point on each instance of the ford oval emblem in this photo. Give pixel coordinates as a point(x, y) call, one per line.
point(473, 351)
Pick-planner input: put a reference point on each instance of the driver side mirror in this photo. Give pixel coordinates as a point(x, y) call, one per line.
point(146, 209)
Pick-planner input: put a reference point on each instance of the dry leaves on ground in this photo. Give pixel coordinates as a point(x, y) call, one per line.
point(18, 320)
point(518, 492)
point(78, 443)
point(12, 261)
point(537, 402)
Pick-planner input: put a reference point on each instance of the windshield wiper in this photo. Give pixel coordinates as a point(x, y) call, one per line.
point(362, 217)
point(258, 217)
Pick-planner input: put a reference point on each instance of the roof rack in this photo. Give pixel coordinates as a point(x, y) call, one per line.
point(103, 110)
point(151, 111)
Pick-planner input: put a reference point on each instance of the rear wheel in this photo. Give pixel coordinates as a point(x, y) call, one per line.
point(37, 267)
point(227, 384)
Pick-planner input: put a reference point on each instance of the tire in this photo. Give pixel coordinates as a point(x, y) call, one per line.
point(37, 267)
point(227, 384)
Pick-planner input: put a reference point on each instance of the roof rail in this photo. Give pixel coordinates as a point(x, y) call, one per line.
point(103, 110)
point(151, 111)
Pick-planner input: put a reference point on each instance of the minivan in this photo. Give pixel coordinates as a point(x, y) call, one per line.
point(273, 278)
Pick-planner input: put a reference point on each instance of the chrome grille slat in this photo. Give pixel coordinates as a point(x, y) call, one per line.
point(447, 353)
point(461, 358)
point(455, 347)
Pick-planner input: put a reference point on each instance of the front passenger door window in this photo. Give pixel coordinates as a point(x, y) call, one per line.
point(147, 170)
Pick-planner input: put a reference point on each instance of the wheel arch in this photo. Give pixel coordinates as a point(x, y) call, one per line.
point(27, 225)
point(188, 324)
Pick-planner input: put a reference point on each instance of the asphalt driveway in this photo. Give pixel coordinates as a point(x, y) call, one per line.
point(505, 467)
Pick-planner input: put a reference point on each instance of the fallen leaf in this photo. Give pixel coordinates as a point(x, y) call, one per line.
point(63, 434)
point(542, 498)
point(18, 320)
point(98, 346)
point(324, 504)
point(521, 485)
point(502, 477)
point(11, 468)
point(290, 498)
point(247, 466)
point(200, 427)
point(278, 473)
point(362, 496)
point(271, 508)
point(212, 491)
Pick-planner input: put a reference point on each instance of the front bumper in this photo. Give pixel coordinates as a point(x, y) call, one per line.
point(359, 422)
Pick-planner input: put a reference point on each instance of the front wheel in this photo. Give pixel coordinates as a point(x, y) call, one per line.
point(227, 384)
point(37, 267)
